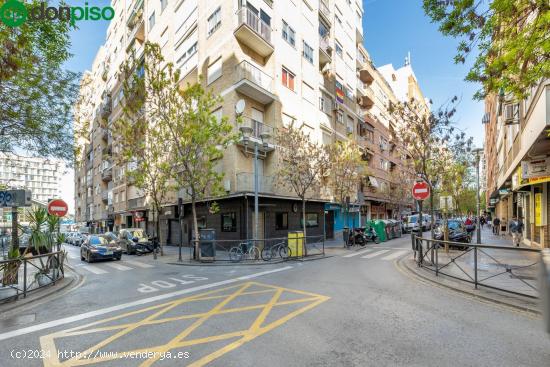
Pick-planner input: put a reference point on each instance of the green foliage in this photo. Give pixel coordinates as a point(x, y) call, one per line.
point(511, 38)
point(347, 169)
point(37, 94)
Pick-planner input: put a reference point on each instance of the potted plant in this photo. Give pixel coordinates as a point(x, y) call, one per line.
point(40, 241)
point(9, 271)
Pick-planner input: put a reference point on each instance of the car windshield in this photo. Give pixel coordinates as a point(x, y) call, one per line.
point(137, 233)
point(98, 241)
point(412, 219)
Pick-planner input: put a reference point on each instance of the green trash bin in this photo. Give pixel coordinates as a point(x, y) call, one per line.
point(389, 229)
point(380, 228)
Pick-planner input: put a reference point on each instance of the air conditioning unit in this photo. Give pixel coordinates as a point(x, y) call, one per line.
point(511, 113)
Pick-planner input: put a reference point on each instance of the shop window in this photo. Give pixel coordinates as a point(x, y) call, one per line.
point(281, 221)
point(312, 220)
point(229, 222)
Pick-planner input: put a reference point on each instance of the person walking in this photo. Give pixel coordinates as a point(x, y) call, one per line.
point(516, 228)
point(496, 226)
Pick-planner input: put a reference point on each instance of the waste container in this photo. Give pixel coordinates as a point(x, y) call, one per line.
point(389, 229)
point(296, 243)
point(207, 244)
point(380, 229)
point(397, 228)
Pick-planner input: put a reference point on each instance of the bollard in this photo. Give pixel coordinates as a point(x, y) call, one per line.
point(545, 287)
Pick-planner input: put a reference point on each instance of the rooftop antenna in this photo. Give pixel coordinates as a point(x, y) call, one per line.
point(408, 59)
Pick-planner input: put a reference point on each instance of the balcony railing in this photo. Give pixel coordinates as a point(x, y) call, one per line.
point(258, 128)
point(246, 70)
point(245, 182)
point(249, 18)
point(324, 9)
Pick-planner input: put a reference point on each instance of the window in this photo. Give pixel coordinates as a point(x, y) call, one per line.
point(229, 222)
point(340, 116)
point(281, 221)
point(287, 79)
point(350, 124)
point(214, 21)
point(325, 103)
point(163, 5)
point(289, 34)
point(312, 220)
point(339, 49)
point(308, 52)
point(152, 21)
point(214, 71)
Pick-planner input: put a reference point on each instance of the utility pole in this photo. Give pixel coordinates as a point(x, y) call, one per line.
point(477, 152)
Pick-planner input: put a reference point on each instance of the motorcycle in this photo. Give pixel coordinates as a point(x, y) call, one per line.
point(357, 237)
point(370, 235)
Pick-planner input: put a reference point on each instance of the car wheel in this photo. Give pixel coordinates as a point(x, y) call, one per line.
point(89, 258)
point(81, 256)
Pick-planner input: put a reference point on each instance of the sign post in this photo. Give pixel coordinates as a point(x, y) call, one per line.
point(420, 192)
point(15, 199)
point(59, 208)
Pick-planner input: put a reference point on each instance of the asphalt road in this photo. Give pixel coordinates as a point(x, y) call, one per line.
point(353, 309)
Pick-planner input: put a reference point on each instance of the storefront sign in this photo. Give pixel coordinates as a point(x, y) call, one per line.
point(503, 191)
point(536, 168)
point(538, 209)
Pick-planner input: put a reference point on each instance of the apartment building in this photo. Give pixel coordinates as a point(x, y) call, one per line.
point(283, 61)
point(517, 152)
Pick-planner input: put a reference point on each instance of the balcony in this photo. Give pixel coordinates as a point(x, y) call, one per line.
point(366, 75)
point(245, 183)
point(107, 173)
point(104, 195)
point(324, 11)
point(366, 99)
point(253, 32)
point(257, 130)
point(136, 23)
point(254, 83)
point(325, 51)
point(106, 108)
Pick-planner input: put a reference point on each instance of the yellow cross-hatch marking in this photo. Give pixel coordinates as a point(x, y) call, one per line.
point(153, 315)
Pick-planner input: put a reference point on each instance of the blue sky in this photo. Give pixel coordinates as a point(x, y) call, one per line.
point(392, 28)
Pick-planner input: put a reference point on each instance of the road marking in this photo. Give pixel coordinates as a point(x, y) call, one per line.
point(246, 330)
point(94, 269)
point(374, 254)
point(118, 266)
point(358, 253)
point(395, 255)
point(103, 311)
point(138, 264)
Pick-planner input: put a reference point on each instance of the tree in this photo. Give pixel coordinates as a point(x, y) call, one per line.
point(302, 164)
point(140, 139)
point(511, 37)
point(196, 138)
point(37, 94)
point(346, 170)
point(429, 138)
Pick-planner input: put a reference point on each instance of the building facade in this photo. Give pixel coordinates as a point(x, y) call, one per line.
point(284, 61)
point(517, 152)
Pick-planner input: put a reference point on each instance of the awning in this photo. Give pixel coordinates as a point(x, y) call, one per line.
point(373, 181)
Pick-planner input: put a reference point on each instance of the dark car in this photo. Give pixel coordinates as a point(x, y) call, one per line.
point(97, 247)
point(457, 232)
point(134, 241)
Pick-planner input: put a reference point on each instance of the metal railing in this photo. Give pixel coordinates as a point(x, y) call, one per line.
point(245, 70)
point(258, 128)
point(18, 277)
point(324, 44)
point(323, 8)
point(489, 266)
point(262, 250)
point(249, 18)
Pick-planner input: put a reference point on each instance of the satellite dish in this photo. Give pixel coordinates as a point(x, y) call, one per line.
point(239, 106)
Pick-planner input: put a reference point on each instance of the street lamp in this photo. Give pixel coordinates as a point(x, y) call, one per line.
point(477, 152)
point(247, 132)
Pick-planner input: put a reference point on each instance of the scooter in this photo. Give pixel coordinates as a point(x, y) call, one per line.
point(370, 235)
point(357, 237)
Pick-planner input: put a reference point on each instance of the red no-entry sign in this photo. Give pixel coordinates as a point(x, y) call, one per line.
point(421, 191)
point(58, 208)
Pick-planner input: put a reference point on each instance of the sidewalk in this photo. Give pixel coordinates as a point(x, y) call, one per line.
point(513, 269)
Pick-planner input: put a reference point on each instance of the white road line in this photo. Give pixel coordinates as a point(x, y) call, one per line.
point(138, 264)
point(395, 255)
point(374, 254)
point(358, 253)
point(103, 311)
point(118, 266)
point(94, 269)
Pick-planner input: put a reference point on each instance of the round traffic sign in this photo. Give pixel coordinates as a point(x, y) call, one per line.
point(421, 190)
point(58, 208)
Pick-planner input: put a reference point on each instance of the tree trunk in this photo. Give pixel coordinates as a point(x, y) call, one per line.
point(305, 224)
point(432, 211)
point(195, 228)
point(157, 230)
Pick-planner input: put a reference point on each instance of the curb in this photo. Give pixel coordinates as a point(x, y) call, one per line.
point(67, 283)
point(229, 263)
point(403, 265)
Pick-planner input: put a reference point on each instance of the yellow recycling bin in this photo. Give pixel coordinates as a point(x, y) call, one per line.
point(296, 243)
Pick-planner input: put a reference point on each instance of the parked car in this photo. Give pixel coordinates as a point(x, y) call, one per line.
point(77, 238)
point(134, 241)
point(457, 232)
point(111, 237)
point(97, 247)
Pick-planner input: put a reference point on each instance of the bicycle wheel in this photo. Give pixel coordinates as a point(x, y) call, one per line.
point(235, 254)
point(284, 252)
point(267, 253)
point(254, 253)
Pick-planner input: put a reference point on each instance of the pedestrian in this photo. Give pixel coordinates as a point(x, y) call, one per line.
point(496, 226)
point(516, 228)
point(482, 221)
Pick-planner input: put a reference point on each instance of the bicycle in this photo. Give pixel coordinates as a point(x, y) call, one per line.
point(280, 249)
point(244, 249)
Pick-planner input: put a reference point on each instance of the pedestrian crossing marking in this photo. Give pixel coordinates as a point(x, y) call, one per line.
point(395, 255)
point(118, 266)
point(94, 269)
point(358, 253)
point(138, 264)
point(374, 254)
